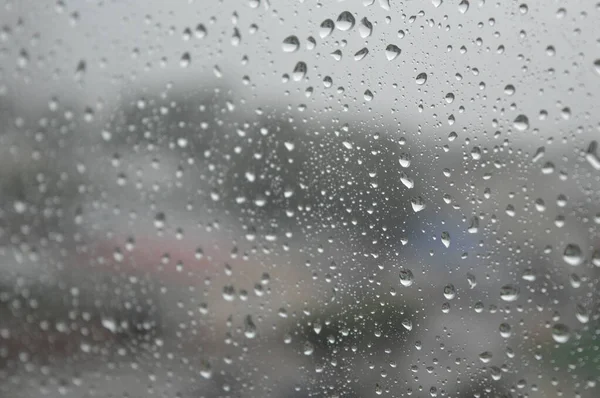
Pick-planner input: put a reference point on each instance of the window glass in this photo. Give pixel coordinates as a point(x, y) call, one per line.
point(299, 198)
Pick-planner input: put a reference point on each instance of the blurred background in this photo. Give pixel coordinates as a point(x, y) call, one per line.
point(295, 198)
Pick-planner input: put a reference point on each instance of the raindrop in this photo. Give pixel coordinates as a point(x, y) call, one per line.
point(449, 291)
point(308, 348)
point(471, 280)
point(392, 51)
point(368, 95)
point(463, 6)
point(326, 28)
point(360, 54)
point(446, 239)
point(509, 293)
point(592, 155)
point(485, 357)
point(249, 327)
point(345, 21)
point(185, 60)
point(561, 333)
point(365, 28)
point(582, 314)
point(291, 44)
point(572, 254)
point(521, 123)
point(505, 330)
point(421, 78)
point(406, 277)
point(417, 203)
point(299, 71)
point(407, 324)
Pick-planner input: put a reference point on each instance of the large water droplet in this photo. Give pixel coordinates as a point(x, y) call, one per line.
point(509, 293)
point(421, 78)
point(449, 291)
point(591, 155)
point(299, 71)
point(345, 21)
point(249, 327)
point(326, 28)
point(360, 54)
point(521, 123)
point(417, 203)
point(291, 44)
point(572, 254)
point(406, 277)
point(392, 51)
point(561, 333)
point(463, 6)
point(365, 28)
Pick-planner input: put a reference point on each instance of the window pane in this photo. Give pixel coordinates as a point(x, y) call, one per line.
point(290, 198)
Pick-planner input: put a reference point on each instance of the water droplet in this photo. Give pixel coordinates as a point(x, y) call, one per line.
point(539, 153)
point(185, 60)
point(572, 254)
point(446, 239)
point(249, 327)
point(436, 3)
point(421, 78)
point(471, 280)
point(417, 203)
point(406, 180)
point(449, 98)
point(360, 54)
point(365, 28)
point(449, 291)
point(485, 357)
point(406, 277)
point(205, 369)
point(509, 293)
point(404, 160)
point(597, 66)
point(407, 323)
point(326, 28)
point(345, 21)
point(392, 51)
point(582, 314)
point(299, 71)
point(337, 55)
point(505, 330)
point(109, 324)
point(509, 89)
point(561, 333)
point(474, 225)
point(291, 44)
point(228, 292)
point(159, 220)
point(308, 348)
point(368, 95)
point(592, 155)
point(463, 6)
point(521, 123)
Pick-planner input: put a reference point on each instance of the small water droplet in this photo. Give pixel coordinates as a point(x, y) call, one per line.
point(446, 239)
point(591, 155)
point(421, 78)
point(505, 330)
